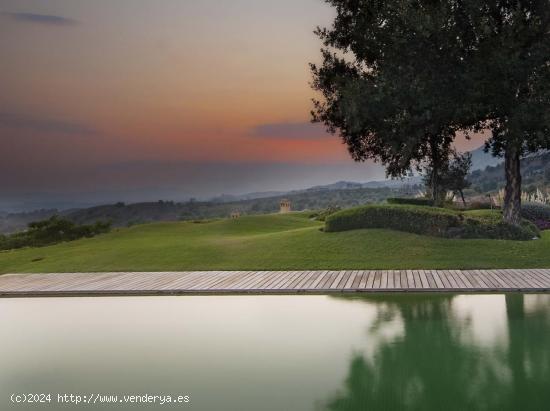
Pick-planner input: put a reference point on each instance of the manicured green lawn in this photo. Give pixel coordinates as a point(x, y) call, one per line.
point(270, 242)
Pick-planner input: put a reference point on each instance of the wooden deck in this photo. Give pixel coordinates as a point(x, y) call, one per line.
point(271, 282)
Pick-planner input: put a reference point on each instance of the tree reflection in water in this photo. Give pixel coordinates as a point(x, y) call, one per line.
point(436, 364)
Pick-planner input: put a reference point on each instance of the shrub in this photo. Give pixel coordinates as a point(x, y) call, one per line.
point(542, 224)
point(323, 214)
point(492, 228)
point(51, 231)
point(430, 221)
point(534, 212)
point(411, 201)
point(409, 218)
point(480, 205)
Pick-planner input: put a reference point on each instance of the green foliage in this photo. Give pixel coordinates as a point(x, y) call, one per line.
point(323, 214)
point(533, 173)
point(270, 242)
point(430, 221)
point(51, 231)
point(414, 73)
point(450, 175)
point(483, 226)
point(480, 205)
point(455, 176)
point(413, 201)
point(533, 212)
point(396, 95)
point(409, 218)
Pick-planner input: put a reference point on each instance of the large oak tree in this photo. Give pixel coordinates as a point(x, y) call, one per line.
point(509, 82)
point(400, 78)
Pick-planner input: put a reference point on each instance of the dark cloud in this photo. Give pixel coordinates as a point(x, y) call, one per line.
point(44, 125)
point(45, 19)
point(291, 131)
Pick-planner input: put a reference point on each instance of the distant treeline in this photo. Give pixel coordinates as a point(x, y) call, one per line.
point(51, 231)
point(121, 214)
point(535, 171)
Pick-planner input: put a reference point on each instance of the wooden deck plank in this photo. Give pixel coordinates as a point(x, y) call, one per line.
point(308, 278)
point(396, 279)
point(226, 279)
point(357, 280)
point(244, 278)
point(534, 281)
point(351, 279)
point(308, 284)
point(472, 276)
point(274, 281)
point(497, 280)
point(503, 280)
point(390, 284)
point(445, 280)
point(424, 279)
point(283, 277)
point(344, 280)
point(364, 278)
point(377, 279)
point(437, 279)
point(417, 280)
point(383, 279)
point(458, 279)
point(294, 280)
point(320, 279)
point(371, 282)
point(337, 279)
point(430, 278)
point(523, 281)
point(404, 281)
point(543, 275)
point(263, 280)
point(410, 279)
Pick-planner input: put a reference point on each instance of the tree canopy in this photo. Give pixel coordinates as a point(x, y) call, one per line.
point(399, 79)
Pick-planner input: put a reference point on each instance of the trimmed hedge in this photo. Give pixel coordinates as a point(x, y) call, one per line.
point(433, 221)
point(409, 218)
point(410, 201)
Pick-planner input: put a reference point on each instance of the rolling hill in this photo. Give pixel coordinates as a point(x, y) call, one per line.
point(270, 242)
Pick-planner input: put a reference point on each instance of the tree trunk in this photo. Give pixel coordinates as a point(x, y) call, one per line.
point(462, 196)
point(512, 191)
point(438, 195)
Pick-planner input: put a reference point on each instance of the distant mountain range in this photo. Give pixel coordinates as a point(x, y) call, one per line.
point(121, 214)
point(481, 160)
point(342, 193)
point(339, 185)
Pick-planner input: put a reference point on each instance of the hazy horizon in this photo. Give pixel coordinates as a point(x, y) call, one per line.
point(139, 100)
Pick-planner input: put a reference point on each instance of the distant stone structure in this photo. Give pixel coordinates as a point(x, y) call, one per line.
point(285, 206)
point(235, 214)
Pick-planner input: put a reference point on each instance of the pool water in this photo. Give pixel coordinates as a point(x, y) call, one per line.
point(308, 352)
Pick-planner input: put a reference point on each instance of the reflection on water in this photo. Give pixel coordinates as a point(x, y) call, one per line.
point(372, 352)
point(444, 360)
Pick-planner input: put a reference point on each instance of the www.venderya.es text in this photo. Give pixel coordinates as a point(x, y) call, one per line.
point(97, 398)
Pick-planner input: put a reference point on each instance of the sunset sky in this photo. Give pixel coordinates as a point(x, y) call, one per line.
point(141, 100)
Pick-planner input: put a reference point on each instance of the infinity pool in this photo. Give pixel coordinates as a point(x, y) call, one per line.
point(373, 352)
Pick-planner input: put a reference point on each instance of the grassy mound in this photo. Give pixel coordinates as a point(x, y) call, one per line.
point(432, 221)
